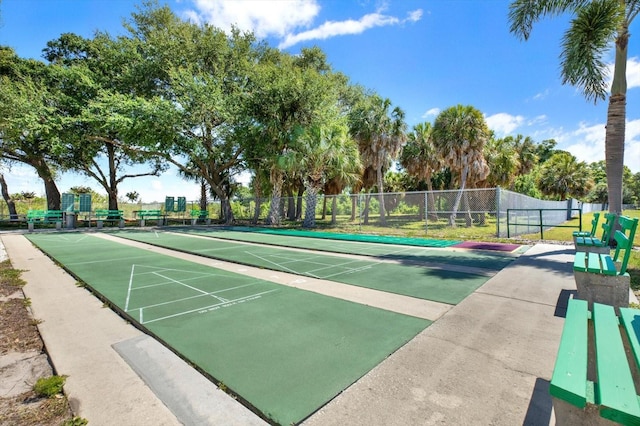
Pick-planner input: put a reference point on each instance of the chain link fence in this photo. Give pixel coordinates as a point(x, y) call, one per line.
point(500, 212)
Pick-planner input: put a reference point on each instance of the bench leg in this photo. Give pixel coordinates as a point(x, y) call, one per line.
point(142, 222)
point(58, 225)
point(570, 415)
point(30, 226)
point(607, 289)
point(99, 224)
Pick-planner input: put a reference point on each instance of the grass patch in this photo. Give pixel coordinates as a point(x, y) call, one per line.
point(48, 387)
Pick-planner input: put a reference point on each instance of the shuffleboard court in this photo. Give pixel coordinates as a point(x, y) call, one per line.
point(436, 284)
point(416, 253)
point(286, 351)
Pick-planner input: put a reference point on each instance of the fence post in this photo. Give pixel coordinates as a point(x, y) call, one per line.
point(498, 213)
point(426, 212)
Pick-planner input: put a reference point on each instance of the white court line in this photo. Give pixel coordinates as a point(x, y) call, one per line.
point(277, 264)
point(169, 302)
point(210, 306)
point(191, 287)
point(159, 284)
point(126, 304)
point(117, 259)
point(344, 265)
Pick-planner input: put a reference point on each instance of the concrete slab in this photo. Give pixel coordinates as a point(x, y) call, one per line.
point(175, 382)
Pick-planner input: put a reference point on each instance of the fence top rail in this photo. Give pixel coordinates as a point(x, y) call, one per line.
point(534, 209)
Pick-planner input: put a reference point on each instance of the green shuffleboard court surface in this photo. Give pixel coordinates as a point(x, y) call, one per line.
point(286, 351)
point(440, 285)
point(413, 252)
point(366, 238)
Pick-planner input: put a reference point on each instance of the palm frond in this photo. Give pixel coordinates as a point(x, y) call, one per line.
point(524, 13)
point(590, 35)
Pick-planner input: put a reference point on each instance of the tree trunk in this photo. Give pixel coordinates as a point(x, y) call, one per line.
point(616, 122)
point(334, 208)
point(11, 205)
point(431, 202)
point(456, 204)
point(310, 211)
point(383, 216)
point(50, 188)
point(367, 199)
point(354, 206)
point(273, 218)
point(324, 207)
point(203, 195)
point(301, 189)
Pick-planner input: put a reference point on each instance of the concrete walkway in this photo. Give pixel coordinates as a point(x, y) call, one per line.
point(487, 360)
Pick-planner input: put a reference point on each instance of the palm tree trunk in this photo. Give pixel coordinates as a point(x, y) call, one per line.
point(616, 122)
point(383, 216)
point(354, 205)
point(431, 202)
point(310, 212)
point(334, 208)
point(273, 218)
point(456, 204)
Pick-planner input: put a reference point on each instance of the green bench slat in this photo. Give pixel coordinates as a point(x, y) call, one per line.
point(115, 214)
point(150, 214)
point(595, 263)
point(630, 319)
point(569, 380)
point(616, 392)
point(580, 262)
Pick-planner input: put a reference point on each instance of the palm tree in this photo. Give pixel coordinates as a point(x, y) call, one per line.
point(380, 133)
point(420, 158)
point(326, 151)
point(503, 159)
point(597, 25)
point(563, 176)
point(459, 135)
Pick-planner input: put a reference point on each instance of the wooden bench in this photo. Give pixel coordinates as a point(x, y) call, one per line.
point(588, 234)
point(45, 217)
point(602, 278)
point(592, 378)
point(103, 215)
point(594, 244)
point(151, 214)
point(200, 215)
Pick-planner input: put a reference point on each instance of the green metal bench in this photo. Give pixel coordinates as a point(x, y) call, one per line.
point(602, 278)
point(588, 234)
point(592, 377)
point(145, 215)
point(113, 216)
point(594, 244)
point(202, 215)
point(44, 217)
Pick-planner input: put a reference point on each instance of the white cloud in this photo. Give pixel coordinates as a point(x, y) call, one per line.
point(542, 95)
point(431, 113)
point(503, 123)
point(349, 26)
point(264, 18)
point(285, 19)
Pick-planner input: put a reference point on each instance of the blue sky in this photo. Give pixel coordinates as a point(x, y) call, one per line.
point(424, 55)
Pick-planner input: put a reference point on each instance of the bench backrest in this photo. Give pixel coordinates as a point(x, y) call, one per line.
point(624, 241)
point(607, 227)
point(594, 223)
